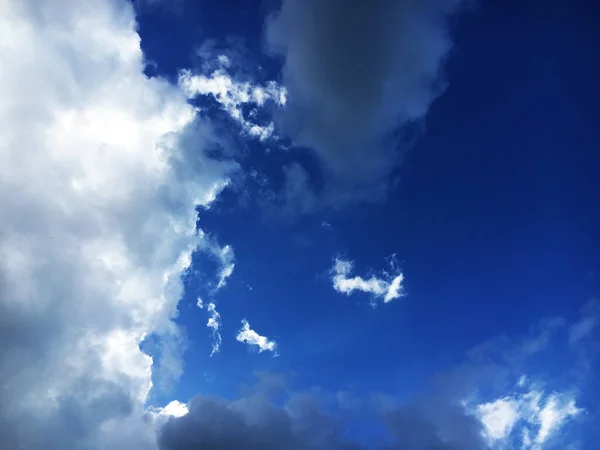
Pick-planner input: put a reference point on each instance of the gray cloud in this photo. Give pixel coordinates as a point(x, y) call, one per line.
point(302, 423)
point(356, 73)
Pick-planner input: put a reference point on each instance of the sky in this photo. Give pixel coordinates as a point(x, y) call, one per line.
point(299, 224)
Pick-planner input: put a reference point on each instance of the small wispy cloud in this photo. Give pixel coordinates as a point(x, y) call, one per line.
point(246, 335)
point(226, 258)
point(233, 95)
point(387, 286)
point(214, 324)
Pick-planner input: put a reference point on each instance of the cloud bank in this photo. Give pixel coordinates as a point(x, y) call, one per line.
point(101, 169)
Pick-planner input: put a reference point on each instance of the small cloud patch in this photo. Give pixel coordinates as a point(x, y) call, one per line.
point(387, 286)
point(246, 335)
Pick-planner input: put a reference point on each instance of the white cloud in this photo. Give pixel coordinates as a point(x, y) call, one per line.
point(388, 287)
point(557, 410)
point(214, 323)
point(246, 335)
point(499, 417)
point(174, 408)
point(97, 197)
point(233, 94)
point(227, 259)
point(536, 416)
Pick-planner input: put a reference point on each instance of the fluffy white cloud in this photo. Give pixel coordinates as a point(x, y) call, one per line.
point(101, 169)
point(174, 408)
point(499, 417)
point(233, 94)
point(388, 287)
point(535, 415)
point(246, 335)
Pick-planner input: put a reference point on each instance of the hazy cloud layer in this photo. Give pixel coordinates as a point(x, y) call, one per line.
point(356, 72)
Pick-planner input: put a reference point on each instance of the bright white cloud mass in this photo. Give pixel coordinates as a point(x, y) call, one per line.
point(387, 287)
point(101, 168)
point(536, 415)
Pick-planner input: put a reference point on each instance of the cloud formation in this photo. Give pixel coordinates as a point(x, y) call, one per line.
point(214, 324)
point(356, 73)
point(246, 335)
point(101, 169)
point(537, 415)
point(481, 404)
point(387, 287)
point(233, 95)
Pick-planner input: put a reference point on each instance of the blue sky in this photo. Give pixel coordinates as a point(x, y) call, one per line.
point(299, 224)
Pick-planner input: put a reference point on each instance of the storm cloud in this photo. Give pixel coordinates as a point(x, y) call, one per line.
point(357, 73)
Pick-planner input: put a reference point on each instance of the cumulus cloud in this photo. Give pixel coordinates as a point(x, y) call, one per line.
point(101, 170)
point(174, 408)
point(387, 287)
point(356, 72)
point(246, 335)
point(537, 415)
point(233, 95)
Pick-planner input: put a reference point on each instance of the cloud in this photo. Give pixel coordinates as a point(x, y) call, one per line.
point(173, 409)
point(537, 415)
point(587, 325)
point(246, 335)
point(234, 95)
point(252, 423)
point(388, 287)
point(101, 170)
point(481, 404)
point(356, 73)
point(227, 259)
point(214, 323)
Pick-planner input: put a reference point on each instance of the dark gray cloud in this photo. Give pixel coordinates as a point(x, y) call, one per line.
point(301, 424)
point(357, 72)
point(251, 423)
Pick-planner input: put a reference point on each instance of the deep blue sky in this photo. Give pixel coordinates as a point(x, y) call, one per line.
point(495, 220)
